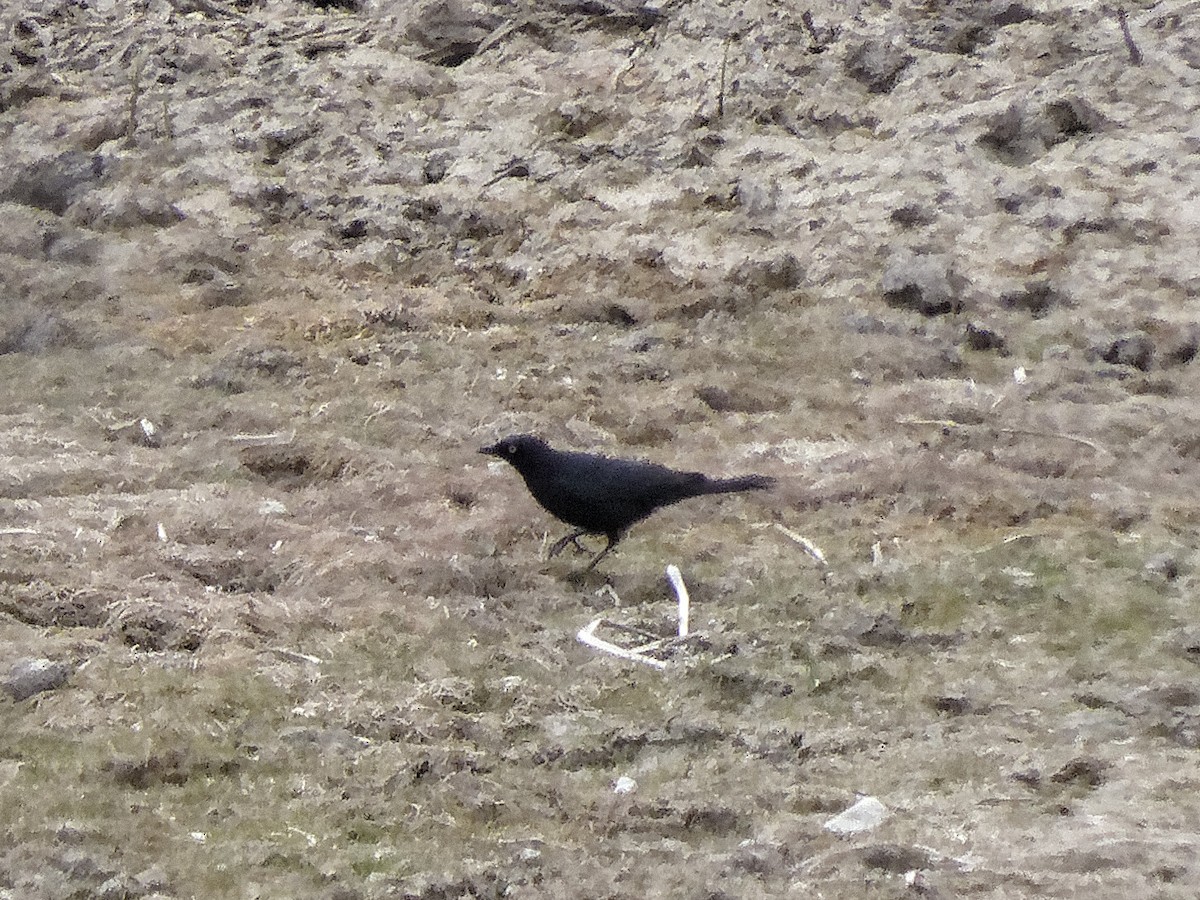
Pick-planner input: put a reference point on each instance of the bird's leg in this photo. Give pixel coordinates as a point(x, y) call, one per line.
point(612, 542)
point(572, 538)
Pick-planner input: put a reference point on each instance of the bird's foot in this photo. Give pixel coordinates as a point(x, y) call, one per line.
point(573, 538)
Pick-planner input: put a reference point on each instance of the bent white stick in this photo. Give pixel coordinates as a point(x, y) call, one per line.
point(685, 604)
point(587, 635)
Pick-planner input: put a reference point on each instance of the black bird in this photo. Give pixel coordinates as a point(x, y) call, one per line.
point(601, 495)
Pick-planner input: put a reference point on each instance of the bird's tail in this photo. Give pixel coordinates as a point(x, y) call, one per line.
point(742, 483)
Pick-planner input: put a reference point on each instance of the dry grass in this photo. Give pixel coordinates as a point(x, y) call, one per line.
point(348, 668)
point(317, 648)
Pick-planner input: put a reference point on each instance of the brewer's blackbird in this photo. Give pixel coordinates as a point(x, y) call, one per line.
point(602, 495)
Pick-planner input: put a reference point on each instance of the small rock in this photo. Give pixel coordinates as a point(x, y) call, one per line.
point(739, 399)
point(142, 432)
point(272, 508)
point(1168, 874)
point(272, 361)
point(920, 283)
point(353, 230)
point(449, 31)
point(34, 676)
point(153, 627)
point(772, 273)
point(1180, 345)
point(624, 785)
point(758, 858)
point(118, 887)
point(864, 815)
point(1011, 14)
point(38, 331)
point(616, 314)
point(1022, 132)
point(910, 216)
point(1175, 695)
point(1037, 299)
point(69, 833)
point(1135, 350)
point(954, 706)
point(1085, 770)
point(1066, 118)
point(152, 879)
point(984, 339)
point(217, 294)
point(1185, 732)
point(885, 631)
point(895, 859)
point(79, 865)
point(54, 183)
point(435, 168)
point(1030, 777)
point(1165, 565)
point(877, 66)
point(278, 138)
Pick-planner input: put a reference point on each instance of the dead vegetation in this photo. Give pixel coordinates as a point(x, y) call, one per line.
point(932, 268)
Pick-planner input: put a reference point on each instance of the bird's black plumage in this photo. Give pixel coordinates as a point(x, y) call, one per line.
point(602, 495)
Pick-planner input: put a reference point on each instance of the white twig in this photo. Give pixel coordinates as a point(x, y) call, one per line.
point(1024, 432)
point(685, 603)
point(295, 656)
point(635, 631)
point(587, 635)
point(255, 440)
point(808, 546)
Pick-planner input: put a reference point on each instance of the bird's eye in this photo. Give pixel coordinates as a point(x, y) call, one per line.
point(510, 449)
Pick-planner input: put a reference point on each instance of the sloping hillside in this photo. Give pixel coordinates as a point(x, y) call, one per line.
point(274, 271)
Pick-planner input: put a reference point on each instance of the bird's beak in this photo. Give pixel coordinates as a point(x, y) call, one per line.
point(493, 450)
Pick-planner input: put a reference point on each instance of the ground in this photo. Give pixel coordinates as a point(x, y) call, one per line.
point(274, 271)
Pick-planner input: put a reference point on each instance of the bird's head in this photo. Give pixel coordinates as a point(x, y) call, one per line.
point(519, 450)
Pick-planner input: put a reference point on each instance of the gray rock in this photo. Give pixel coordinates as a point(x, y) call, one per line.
point(1136, 350)
point(152, 879)
point(866, 814)
point(1023, 132)
point(920, 283)
point(1036, 298)
point(775, 273)
point(895, 858)
point(53, 184)
point(1083, 770)
point(1185, 731)
point(952, 705)
point(984, 339)
point(1164, 565)
point(35, 676)
point(118, 887)
point(876, 65)
point(1179, 345)
point(141, 432)
point(449, 31)
point(38, 331)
